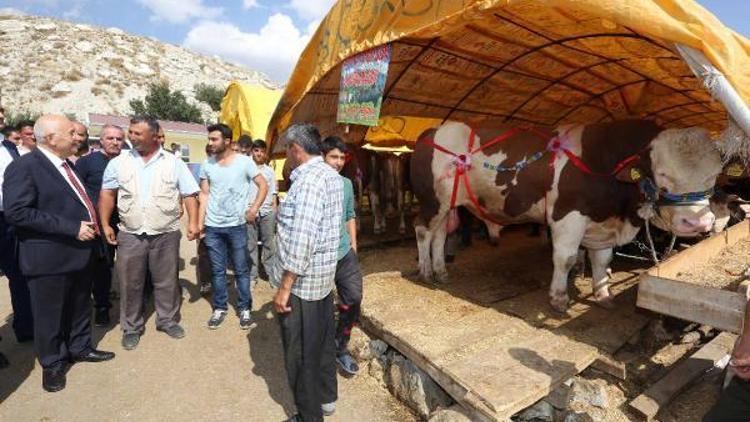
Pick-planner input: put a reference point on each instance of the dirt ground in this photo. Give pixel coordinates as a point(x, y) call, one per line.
point(226, 374)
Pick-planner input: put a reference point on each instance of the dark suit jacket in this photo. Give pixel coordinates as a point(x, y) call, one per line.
point(47, 215)
point(90, 169)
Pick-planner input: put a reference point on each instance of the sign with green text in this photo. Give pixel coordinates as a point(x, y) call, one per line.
point(362, 86)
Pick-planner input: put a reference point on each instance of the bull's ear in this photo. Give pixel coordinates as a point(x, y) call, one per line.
point(632, 173)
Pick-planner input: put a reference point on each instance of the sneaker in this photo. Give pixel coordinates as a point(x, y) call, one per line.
point(130, 341)
point(217, 318)
point(205, 288)
point(245, 319)
point(328, 408)
point(347, 363)
point(174, 331)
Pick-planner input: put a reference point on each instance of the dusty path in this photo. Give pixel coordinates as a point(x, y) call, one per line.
point(226, 374)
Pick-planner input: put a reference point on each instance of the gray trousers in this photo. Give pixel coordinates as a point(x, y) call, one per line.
point(263, 230)
point(159, 255)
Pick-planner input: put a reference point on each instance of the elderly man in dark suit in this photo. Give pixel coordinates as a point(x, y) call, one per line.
point(58, 231)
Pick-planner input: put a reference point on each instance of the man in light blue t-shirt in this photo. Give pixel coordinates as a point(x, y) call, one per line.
point(225, 209)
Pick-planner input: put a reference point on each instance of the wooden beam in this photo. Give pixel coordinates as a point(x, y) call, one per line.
point(658, 395)
point(718, 308)
point(701, 252)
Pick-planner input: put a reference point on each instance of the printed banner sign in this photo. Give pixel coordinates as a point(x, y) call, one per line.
point(362, 86)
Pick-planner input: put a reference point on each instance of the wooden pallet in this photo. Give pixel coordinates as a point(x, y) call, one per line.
point(496, 359)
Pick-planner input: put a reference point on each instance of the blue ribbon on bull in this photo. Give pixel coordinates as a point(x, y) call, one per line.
point(519, 165)
point(662, 197)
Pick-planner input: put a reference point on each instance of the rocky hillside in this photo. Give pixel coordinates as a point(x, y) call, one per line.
point(47, 65)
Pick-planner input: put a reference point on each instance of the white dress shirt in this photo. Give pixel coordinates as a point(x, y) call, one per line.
point(58, 163)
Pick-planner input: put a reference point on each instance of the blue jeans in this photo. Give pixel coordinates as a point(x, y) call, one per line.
point(223, 243)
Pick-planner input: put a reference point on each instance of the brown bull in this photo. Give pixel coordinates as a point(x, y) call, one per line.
point(576, 194)
point(383, 177)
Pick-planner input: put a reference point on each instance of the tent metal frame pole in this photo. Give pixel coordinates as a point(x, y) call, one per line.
point(536, 49)
point(556, 82)
point(718, 86)
point(621, 65)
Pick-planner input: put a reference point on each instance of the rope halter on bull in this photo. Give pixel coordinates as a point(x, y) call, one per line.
point(559, 146)
point(655, 199)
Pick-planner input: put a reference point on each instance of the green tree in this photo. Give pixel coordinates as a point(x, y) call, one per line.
point(14, 118)
point(210, 95)
point(163, 103)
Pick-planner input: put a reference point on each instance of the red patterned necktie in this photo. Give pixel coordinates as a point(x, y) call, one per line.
point(84, 195)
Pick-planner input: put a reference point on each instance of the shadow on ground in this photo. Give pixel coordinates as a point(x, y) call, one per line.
point(266, 353)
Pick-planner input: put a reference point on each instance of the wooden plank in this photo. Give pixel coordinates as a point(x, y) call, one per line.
point(461, 393)
point(585, 321)
point(487, 359)
point(702, 252)
point(611, 366)
point(655, 397)
point(718, 308)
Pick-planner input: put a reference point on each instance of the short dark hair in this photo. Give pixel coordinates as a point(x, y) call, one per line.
point(7, 130)
point(259, 143)
point(153, 124)
point(22, 124)
point(245, 141)
point(305, 135)
point(83, 147)
point(333, 142)
point(226, 132)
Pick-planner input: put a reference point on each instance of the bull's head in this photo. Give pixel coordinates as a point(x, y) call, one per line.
point(684, 165)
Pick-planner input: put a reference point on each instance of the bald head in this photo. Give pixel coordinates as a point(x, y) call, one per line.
point(55, 133)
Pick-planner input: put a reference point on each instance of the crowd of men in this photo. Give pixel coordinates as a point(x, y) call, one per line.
point(73, 212)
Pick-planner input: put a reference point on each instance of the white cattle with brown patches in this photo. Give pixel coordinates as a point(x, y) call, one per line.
point(576, 193)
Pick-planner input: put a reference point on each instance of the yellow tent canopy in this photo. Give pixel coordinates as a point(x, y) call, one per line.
point(522, 62)
point(398, 131)
point(247, 109)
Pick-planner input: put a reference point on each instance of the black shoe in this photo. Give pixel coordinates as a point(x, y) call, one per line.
point(94, 355)
point(53, 379)
point(174, 331)
point(101, 317)
point(130, 341)
point(4, 362)
point(24, 338)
